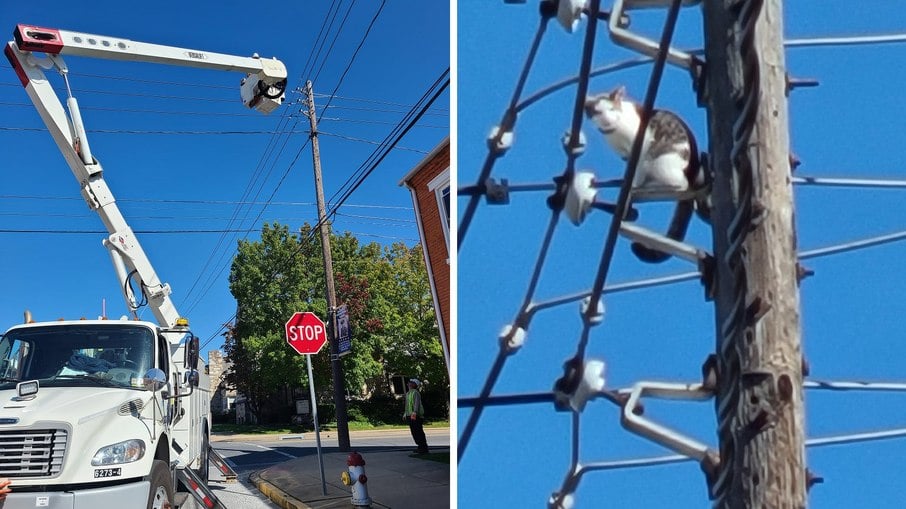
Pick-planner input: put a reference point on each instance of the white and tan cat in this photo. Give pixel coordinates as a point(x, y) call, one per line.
point(669, 159)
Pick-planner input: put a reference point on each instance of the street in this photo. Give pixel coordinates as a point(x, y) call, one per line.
point(250, 453)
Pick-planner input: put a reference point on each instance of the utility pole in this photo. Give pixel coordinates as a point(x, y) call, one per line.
point(755, 276)
point(336, 365)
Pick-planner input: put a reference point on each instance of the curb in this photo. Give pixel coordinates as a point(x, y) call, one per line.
point(277, 496)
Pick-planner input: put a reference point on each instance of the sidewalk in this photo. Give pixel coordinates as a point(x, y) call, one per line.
point(397, 478)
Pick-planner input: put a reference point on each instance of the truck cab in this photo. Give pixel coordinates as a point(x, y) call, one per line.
point(89, 407)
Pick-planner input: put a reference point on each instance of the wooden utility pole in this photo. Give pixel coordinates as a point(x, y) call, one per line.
point(336, 365)
point(755, 273)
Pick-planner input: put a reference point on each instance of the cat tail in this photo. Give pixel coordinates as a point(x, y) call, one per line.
point(677, 231)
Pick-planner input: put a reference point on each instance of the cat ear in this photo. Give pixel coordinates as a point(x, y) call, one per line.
point(617, 96)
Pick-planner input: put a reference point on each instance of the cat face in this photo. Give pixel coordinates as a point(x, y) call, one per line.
point(609, 111)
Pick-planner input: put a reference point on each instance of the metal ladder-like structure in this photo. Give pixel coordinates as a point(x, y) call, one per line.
point(198, 488)
point(229, 475)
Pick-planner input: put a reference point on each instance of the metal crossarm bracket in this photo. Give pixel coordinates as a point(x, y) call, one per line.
point(497, 193)
point(623, 37)
point(664, 193)
point(662, 243)
point(658, 433)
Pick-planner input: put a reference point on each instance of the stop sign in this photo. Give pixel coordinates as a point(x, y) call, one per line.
point(305, 332)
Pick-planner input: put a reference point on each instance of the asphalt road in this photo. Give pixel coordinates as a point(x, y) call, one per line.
point(251, 453)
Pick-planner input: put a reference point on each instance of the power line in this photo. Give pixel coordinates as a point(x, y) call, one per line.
point(844, 439)
point(804, 181)
point(640, 284)
point(165, 132)
point(384, 122)
point(391, 219)
point(205, 202)
point(354, 54)
point(317, 54)
point(548, 397)
point(336, 36)
point(378, 156)
point(375, 101)
point(370, 142)
point(378, 110)
point(140, 232)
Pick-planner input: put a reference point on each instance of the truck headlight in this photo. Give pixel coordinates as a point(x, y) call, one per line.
point(122, 452)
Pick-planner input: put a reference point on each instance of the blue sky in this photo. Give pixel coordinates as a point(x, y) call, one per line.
point(852, 310)
point(192, 182)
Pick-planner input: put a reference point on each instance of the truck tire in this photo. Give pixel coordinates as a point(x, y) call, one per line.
point(161, 495)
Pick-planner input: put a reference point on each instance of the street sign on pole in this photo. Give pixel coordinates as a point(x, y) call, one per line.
point(305, 333)
point(344, 334)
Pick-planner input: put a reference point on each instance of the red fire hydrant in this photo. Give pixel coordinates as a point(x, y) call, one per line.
point(356, 478)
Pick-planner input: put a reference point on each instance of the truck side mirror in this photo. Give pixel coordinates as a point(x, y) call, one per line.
point(191, 358)
point(155, 379)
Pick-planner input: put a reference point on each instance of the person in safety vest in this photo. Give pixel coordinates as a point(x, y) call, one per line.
point(414, 414)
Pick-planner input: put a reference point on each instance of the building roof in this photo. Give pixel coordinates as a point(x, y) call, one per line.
point(440, 146)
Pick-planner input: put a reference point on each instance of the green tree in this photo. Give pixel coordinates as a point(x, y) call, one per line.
point(385, 290)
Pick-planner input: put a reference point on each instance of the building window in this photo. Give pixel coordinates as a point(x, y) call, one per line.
point(398, 384)
point(441, 187)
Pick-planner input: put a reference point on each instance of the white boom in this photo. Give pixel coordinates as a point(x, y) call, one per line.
point(263, 89)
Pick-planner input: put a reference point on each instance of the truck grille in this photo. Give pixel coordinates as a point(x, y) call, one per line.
point(32, 453)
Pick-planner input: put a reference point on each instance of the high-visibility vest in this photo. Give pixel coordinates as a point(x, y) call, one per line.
point(414, 403)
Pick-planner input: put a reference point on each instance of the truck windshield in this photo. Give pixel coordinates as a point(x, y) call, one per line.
point(115, 355)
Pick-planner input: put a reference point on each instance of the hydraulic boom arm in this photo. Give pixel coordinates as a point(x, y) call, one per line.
point(262, 89)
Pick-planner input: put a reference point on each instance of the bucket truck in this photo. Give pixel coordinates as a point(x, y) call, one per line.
point(108, 413)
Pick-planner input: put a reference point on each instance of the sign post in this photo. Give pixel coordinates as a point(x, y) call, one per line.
point(306, 334)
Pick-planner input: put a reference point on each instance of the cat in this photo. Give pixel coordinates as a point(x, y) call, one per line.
point(669, 159)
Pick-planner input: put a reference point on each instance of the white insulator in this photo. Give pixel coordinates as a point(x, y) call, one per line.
point(580, 196)
point(569, 13)
point(510, 339)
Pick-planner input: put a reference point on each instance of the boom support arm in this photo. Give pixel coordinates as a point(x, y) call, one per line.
point(263, 88)
point(129, 259)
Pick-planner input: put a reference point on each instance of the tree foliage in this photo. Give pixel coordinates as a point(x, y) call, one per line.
point(388, 299)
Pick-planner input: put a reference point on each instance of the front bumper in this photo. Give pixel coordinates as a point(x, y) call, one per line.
point(111, 497)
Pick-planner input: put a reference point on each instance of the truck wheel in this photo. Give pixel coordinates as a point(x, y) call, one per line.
point(161, 496)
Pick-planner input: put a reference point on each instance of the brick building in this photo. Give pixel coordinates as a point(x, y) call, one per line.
point(429, 184)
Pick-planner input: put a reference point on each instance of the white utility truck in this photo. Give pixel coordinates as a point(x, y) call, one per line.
point(108, 413)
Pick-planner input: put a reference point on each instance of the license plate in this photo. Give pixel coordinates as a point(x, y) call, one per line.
point(107, 472)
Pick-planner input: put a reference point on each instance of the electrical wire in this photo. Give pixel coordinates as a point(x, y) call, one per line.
point(376, 101)
point(354, 54)
point(203, 202)
point(439, 86)
point(843, 439)
point(336, 36)
point(376, 110)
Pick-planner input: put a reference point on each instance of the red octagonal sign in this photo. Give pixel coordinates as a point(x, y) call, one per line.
point(305, 332)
